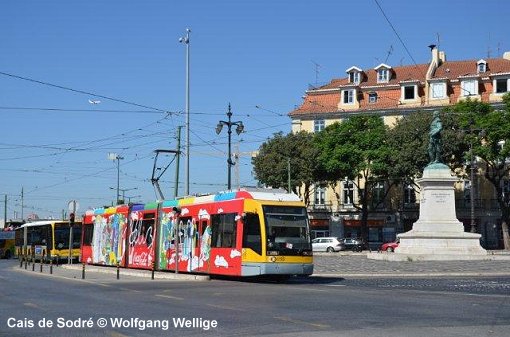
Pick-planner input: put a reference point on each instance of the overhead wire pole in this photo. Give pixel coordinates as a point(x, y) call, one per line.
point(185, 40)
point(178, 153)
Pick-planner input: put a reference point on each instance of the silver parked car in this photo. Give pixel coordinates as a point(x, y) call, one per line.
point(327, 244)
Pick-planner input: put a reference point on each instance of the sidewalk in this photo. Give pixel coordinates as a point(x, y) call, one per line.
point(342, 264)
point(106, 274)
point(358, 265)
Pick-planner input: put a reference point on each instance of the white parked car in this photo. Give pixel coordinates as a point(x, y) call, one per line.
point(327, 244)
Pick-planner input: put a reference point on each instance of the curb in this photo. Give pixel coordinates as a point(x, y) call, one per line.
point(413, 275)
point(140, 273)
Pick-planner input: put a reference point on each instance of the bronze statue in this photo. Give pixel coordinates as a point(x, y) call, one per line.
point(435, 142)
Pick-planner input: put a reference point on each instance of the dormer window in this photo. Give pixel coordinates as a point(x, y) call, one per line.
point(481, 66)
point(354, 78)
point(354, 75)
point(383, 73)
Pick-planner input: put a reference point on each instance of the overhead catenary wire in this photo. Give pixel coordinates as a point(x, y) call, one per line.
point(82, 92)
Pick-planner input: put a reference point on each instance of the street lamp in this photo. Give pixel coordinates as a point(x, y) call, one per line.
point(115, 156)
point(123, 190)
point(239, 129)
point(185, 40)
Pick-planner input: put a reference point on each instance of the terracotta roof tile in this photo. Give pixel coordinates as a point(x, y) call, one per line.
point(326, 99)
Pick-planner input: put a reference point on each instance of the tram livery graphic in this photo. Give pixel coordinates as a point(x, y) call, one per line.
point(237, 233)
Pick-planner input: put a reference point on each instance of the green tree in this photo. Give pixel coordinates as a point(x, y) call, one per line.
point(356, 149)
point(408, 140)
point(488, 131)
point(271, 165)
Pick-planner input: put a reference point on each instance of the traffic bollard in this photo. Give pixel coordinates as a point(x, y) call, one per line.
point(33, 263)
point(153, 267)
point(118, 271)
point(83, 271)
point(51, 265)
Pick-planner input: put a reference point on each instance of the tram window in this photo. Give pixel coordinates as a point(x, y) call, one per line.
point(88, 233)
point(223, 230)
point(148, 227)
point(251, 233)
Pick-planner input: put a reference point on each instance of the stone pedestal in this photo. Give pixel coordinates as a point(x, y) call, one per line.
point(438, 235)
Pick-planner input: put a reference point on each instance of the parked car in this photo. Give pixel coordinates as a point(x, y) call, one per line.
point(389, 246)
point(354, 244)
point(327, 244)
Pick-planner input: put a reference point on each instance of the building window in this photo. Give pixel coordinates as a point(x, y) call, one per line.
point(348, 96)
point(318, 125)
point(505, 190)
point(409, 92)
point(320, 196)
point(372, 97)
point(354, 77)
point(501, 85)
point(383, 75)
point(378, 193)
point(348, 195)
point(482, 67)
point(469, 87)
point(438, 90)
point(409, 195)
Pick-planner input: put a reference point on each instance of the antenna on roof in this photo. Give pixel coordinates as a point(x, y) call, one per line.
point(390, 51)
point(317, 66)
point(438, 41)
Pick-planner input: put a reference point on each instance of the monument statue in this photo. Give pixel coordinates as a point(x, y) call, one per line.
point(435, 142)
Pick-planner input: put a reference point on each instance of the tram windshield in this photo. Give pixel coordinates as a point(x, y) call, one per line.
point(287, 229)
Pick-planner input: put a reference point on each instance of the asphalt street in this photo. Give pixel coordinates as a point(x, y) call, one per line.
point(348, 296)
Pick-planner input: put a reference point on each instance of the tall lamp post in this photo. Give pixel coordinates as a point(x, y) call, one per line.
point(239, 129)
point(115, 156)
point(185, 40)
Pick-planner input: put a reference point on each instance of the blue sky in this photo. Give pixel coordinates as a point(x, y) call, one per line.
point(54, 143)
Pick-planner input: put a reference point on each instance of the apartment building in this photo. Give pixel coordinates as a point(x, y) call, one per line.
point(392, 92)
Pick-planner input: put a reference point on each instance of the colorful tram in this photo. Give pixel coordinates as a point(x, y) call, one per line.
point(236, 233)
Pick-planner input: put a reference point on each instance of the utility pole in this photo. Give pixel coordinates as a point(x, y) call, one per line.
point(5, 211)
point(288, 174)
point(177, 161)
point(22, 200)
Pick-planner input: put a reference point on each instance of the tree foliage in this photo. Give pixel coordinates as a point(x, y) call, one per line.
point(272, 162)
point(487, 130)
point(356, 149)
